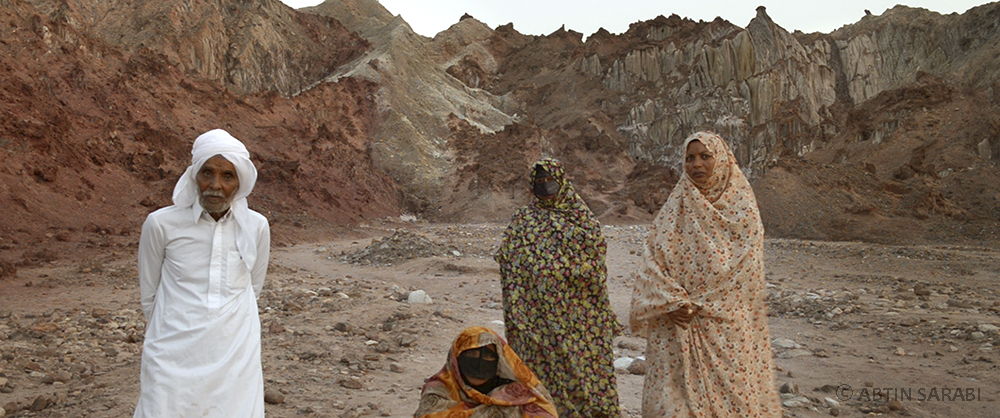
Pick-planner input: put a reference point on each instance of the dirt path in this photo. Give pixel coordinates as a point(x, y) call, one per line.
point(340, 339)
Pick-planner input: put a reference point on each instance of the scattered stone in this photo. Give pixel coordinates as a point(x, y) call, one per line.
point(621, 364)
point(976, 336)
point(401, 245)
point(274, 397)
point(789, 387)
point(408, 340)
point(955, 303)
point(909, 322)
point(351, 383)
point(638, 367)
point(395, 367)
point(900, 351)
point(895, 405)
point(629, 345)
point(988, 328)
point(921, 290)
point(419, 297)
point(61, 377)
point(799, 352)
point(40, 403)
point(343, 327)
point(275, 327)
point(785, 343)
point(833, 405)
point(790, 400)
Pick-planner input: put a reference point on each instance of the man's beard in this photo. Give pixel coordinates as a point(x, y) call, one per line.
point(216, 208)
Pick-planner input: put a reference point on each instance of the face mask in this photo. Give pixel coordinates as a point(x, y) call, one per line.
point(543, 188)
point(482, 367)
point(546, 189)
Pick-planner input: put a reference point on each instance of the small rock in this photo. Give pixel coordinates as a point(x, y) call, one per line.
point(351, 383)
point(785, 343)
point(834, 406)
point(789, 387)
point(900, 351)
point(795, 353)
point(909, 322)
point(638, 367)
point(976, 336)
point(408, 340)
point(343, 327)
point(274, 397)
point(961, 304)
point(395, 367)
point(895, 405)
point(621, 364)
point(40, 403)
point(419, 297)
point(61, 377)
point(629, 345)
point(988, 328)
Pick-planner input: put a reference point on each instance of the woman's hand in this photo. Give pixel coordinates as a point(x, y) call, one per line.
point(683, 315)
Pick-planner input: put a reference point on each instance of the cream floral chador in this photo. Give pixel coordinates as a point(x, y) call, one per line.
point(705, 249)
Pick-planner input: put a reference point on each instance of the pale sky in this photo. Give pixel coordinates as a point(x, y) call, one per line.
point(542, 17)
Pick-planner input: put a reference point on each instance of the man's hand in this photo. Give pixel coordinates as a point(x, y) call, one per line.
point(683, 315)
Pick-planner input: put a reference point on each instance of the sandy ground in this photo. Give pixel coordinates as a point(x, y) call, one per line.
point(849, 321)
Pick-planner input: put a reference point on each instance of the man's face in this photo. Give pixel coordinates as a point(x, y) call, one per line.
point(217, 181)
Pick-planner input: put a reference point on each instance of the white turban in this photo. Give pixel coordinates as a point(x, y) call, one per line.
point(186, 193)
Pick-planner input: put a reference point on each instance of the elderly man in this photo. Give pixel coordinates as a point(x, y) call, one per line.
point(202, 264)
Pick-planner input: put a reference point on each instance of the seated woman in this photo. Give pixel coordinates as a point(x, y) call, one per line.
point(483, 377)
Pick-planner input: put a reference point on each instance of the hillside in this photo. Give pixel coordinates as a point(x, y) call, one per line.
point(886, 130)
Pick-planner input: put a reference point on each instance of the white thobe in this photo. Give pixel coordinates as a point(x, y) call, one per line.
point(201, 354)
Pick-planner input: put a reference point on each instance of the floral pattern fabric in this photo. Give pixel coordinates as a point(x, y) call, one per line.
point(556, 307)
point(445, 395)
point(705, 249)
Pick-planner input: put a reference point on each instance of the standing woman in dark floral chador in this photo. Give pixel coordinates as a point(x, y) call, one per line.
point(556, 308)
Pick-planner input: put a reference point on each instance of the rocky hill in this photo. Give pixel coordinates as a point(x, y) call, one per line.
point(886, 130)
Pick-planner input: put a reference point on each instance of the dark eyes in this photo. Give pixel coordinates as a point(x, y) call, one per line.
point(486, 355)
point(690, 158)
point(210, 173)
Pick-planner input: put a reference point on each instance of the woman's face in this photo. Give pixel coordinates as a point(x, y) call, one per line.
point(698, 163)
point(544, 186)
point(478, 365)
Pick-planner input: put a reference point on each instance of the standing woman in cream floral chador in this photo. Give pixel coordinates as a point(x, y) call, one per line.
point(699, 297)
